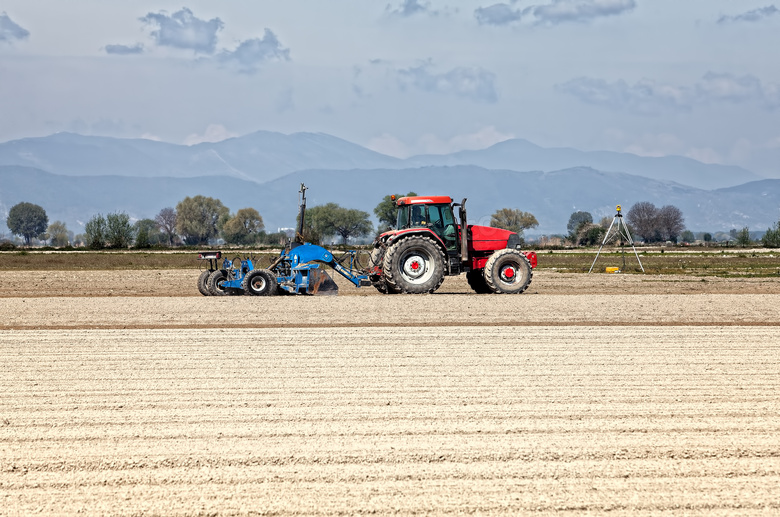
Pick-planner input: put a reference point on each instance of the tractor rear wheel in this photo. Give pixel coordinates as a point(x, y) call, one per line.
point(508, 271)
point(216, 281)
point(414, 264)
point(476, 280)
point(203, 280)
point(259, 282)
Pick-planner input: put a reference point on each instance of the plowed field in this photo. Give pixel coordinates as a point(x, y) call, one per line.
point(600, 393)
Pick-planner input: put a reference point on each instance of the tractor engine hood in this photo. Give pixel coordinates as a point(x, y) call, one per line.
point(487, 238)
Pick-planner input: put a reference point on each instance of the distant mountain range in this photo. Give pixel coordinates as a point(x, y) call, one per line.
point(74, 177)
point(264, 156)
point(550, 196)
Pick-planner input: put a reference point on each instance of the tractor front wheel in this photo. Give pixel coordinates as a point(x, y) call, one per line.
point(508, 271)
point(203, 281)
point(259, 282)
point(414, 264)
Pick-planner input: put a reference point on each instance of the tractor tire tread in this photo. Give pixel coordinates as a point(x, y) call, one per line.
point(491, 274)
point(203, 280)
point(391, 271)
point(269, 288)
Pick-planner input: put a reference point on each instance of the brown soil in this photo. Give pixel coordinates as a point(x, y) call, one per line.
point(129, 393)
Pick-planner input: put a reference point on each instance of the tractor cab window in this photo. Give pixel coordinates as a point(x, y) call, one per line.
point(402, 220)
point(418, 216)
point(442, 223)
point(412, 216)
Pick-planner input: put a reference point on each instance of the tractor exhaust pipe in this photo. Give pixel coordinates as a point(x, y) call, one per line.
point(464, 233)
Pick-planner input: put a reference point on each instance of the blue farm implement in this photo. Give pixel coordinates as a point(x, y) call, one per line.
point(426, 245)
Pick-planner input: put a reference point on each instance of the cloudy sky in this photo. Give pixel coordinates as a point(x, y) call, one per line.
point(697, 78)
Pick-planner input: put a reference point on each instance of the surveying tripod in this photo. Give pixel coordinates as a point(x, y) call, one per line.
point(620, 230)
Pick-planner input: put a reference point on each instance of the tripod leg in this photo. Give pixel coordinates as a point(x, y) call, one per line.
point(606, 236)
point(631, 241)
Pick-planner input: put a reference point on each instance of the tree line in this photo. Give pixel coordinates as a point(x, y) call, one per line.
point(199, 220)
point(651, 224)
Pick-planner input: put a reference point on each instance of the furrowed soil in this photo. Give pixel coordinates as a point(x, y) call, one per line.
point(125, 392)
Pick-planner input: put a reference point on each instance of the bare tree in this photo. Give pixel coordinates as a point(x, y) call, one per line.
point(670, 222)
point(643, 220)
point(166, 220)
point(654, 224)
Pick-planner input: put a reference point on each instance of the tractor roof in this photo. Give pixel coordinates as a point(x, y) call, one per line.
point(424, 200)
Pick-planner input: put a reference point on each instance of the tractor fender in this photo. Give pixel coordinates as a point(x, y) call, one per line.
point(400, 234)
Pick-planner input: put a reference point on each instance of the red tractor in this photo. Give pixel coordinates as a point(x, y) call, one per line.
point(428, 244)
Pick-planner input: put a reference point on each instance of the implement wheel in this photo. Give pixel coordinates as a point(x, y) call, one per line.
point(378, 281)
point(414, 264)
point(203, 280)
point(508, 271)
point(259, 282)
point(216, 281)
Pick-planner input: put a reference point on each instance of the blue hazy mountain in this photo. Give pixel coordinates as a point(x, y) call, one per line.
point(550, 196)
point(518, 154)
point(263, 156)
point(259, 156)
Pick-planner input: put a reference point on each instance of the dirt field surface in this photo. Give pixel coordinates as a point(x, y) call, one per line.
point(128, 393)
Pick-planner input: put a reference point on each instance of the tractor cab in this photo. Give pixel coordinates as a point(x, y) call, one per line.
point(432, 212)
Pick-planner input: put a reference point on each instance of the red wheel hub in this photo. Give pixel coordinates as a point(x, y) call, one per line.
point(509, 272)
point(415, 266)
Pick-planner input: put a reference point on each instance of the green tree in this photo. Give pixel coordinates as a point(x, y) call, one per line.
point(199, 218)
point(95, 232)
point(591, 234)
point(743, 237)
point(244, 227)
point(119, 231)
point(576, 221)
point(331, 219)
point(687, 236)
point(513, 220)
point(58, 234)
point(147, 233)
point(771, 238)
point(385, 211)
point(27, 220)
point(707, 237)
point(166, 222)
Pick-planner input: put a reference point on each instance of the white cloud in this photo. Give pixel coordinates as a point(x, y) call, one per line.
point(409, 8)
point(252, 53)
point(560, 11)
point(497, 14)
point(432, 144)
point(10, 30)
point(553, 13)
point(646, 96)
point(125, 50)
point(213, 133)
point(473, 83)
point(389, 145)
point(754, 15)
point(652, 98)
point(184, 30)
